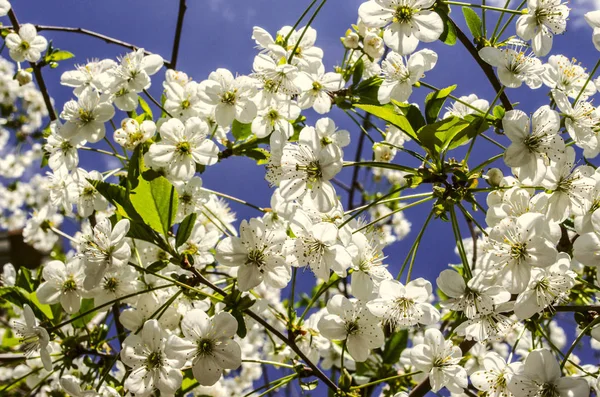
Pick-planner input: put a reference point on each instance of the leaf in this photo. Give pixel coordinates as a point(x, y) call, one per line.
point(185, 229)
point(241, 131)
point(359, 68)
point(135, 167)
point(157, 266)
point(117, 196)
point(477, 125)
point(448, 36)
point(434, 102)
point(388, 113)
point(367, 90)
point(394, 346)
point(59, 55)
point(499, 112)
point(24, 279)
point(145, 107)
point(473, 22)
point(241, 330)
point(156, 202)
point(259, 154)
point(436, 137)
point(42, 307)
point(412, 113)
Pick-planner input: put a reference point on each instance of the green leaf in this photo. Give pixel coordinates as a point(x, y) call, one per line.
point(259, 154)
point(448, 36)
point(42, 307)
point(436, 137)
point(499, 112)
point(117, 196)
point(241, 330)
point(359, 68)
point(389, 114)
point(136, 164)
point(157, 266)
point(24, 279)
point(366, 91)
point(156, 202)
point(477, 125)
point(145, 107)
point(473, 22)
point(394, 346)
point(185, 229)
point(241, 131)
point(412, 113)
point(59, 55)
point(434, 102)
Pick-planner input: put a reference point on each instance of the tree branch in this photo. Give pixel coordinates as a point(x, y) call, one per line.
point(100, 36)
point(177, 39)
point(359, 149)
point(36, 71)
point(487, 68)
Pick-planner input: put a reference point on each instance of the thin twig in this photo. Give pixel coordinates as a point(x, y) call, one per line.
point(178, 29)
point(100, 36)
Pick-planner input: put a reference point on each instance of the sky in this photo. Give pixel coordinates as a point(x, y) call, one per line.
point(217, 34)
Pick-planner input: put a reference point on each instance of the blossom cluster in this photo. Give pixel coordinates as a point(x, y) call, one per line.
point(148, 285)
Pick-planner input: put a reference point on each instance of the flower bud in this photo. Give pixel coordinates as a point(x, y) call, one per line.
point(23, 77)
point(350, 40)
point(494, 177)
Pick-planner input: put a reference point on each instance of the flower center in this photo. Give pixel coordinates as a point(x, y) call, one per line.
point(154, 360)
point(205, 347)
point(86, 116)
point(312, 169)
point(403, 14)
point(25, 46)
point(256, 258)
point(548, 390)
point(184, 148)
point(229, 98)
point(518, 251)
point(69, 285)
point(185, 104)
point(352, 327)
point(111, 284)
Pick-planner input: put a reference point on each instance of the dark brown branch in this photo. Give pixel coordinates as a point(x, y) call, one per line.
point(36, 71)
point(100, 36)
point(487, 68)
point(178, 29)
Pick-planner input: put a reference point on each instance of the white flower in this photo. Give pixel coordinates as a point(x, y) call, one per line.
point(71, 384)
point(26, 45)
point(529, 154)
point(316, 245)
point(34, 338)
point(134, 71)
point(132, 133)
point(182, 147)
point(62, 283)
point(105, 250)
point(497, 375)
point(89, 198)
point(472, 298)
point(400, 76)
point(154, 361)
point(547, 287)
point(406, 22)
point(369, 270)
point(191, 197)
point(593, 19)
point(85, 117)
point(565, 75)
point(258, 255)
point(4, 7)
point(307, 167)
point(276, 117)
point(328, 133)
point(570, 188)
point(441, 359)
point(581, 122)
point(515, 67)
point(544, 19)
point(182, 101)
point(351, 321)
point(404, 306)
point(230, 95)
point(317, 96)
point(200, 244)
point(62, 152)
point(208, 343)
point(93, 74)
point(515, 245)
point(542, 376)
point(461, 110)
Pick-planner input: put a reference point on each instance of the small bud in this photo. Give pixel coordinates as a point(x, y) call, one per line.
point(23, 77)
point(350, 40)
point(494, 177)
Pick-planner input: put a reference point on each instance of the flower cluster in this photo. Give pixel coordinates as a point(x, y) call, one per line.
point(148, 285)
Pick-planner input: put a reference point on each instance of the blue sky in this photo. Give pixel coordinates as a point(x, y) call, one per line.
point(217, 33)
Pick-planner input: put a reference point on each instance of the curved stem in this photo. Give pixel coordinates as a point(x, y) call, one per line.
point(178, 29)
point(310, 21)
